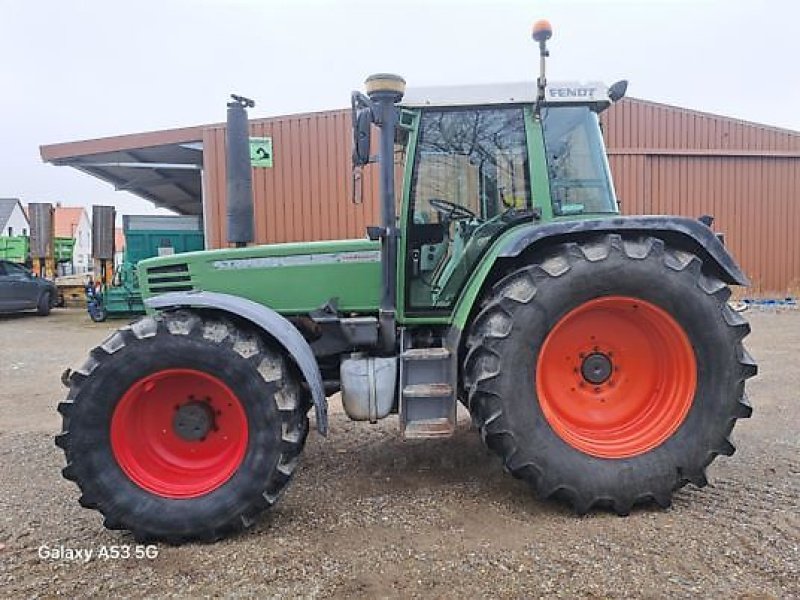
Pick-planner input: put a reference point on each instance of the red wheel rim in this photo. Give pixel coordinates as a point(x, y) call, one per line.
point(616, 377)
point(149, 433)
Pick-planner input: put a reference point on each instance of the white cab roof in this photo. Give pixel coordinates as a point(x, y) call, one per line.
point(568, 92)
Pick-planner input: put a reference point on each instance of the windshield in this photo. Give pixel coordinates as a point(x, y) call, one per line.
point(576, 162)
point(470, 179)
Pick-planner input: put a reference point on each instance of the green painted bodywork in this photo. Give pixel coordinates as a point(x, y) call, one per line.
point(293, 278)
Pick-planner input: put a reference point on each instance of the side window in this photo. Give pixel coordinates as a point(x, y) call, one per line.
point(12, 269)
point(2, 269)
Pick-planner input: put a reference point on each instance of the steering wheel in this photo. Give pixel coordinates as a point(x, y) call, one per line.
point(450, 210)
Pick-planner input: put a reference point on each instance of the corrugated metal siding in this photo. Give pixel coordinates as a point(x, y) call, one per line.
point(755, 202)
point(665, 160)
point(307, 193)
point(637, 126)
point(668, 160)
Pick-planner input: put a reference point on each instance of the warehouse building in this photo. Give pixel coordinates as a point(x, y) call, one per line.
point(665, 160)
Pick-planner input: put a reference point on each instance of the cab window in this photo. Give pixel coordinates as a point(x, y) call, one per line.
point(580, 181)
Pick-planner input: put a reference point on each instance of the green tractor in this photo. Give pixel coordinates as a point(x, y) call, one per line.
point(596, 353)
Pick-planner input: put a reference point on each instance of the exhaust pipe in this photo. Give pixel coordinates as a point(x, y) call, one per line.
point(385, 90)
point(240, 174)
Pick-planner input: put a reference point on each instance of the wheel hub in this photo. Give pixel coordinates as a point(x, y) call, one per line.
point(596, 368)
point(179, 449)
point(193, 421)
point(616, 376)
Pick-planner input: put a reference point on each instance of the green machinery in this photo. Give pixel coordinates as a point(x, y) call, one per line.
point(596, 353)
point(146, 236)
point(17, 249)
point(63, 249)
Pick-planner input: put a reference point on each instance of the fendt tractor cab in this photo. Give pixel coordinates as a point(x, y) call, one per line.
point(596, 353)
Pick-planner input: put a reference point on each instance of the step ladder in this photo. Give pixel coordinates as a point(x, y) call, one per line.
point(427, 392)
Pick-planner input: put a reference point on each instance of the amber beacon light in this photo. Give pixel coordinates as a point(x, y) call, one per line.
point(542, 30)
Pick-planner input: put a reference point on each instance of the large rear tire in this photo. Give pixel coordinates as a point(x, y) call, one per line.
point(608, 372)
point(182, 427)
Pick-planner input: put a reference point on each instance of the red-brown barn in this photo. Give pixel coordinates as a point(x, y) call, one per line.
point(665, 160)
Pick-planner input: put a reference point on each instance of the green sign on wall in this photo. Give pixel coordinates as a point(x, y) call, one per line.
point(261, 152)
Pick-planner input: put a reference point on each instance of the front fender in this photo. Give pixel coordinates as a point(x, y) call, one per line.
point(268, 321)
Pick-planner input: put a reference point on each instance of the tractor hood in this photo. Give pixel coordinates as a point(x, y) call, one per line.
point(293, 278)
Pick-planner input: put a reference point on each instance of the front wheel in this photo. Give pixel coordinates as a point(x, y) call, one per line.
point(610, 372)
point(43, 305)
point(97, 312)
point(182, 427)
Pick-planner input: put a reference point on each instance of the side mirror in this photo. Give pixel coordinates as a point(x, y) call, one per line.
point(361, 112)
point(361, 136)
point(617, 90)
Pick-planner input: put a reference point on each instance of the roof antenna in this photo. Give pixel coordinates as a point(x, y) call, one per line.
point(542, 31)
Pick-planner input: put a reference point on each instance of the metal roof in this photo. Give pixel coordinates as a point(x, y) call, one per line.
point(163, 167)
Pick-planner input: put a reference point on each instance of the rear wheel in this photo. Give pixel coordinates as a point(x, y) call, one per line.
point(182, 427)
point(610, 372)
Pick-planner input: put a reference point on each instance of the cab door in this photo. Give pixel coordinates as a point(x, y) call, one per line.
point(469, 175)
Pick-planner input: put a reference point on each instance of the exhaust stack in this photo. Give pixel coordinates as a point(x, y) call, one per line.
point(240, 174)
point(385, 90)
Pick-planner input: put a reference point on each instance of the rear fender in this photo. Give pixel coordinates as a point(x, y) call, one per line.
point(271, 323)
point(681, 232)
point(521, 242)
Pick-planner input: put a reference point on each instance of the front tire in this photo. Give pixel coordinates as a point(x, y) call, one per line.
point(97, 313)
point(182, 427)
point(43, 306)
point(609, 372)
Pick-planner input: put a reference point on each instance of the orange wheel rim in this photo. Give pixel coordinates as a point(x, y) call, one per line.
point(616, 377)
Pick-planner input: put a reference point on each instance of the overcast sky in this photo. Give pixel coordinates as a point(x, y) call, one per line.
point(72, 70)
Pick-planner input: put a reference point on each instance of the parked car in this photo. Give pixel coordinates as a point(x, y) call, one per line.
point(22, 290)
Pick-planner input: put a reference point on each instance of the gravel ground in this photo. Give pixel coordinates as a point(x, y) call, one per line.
point(369, 515)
